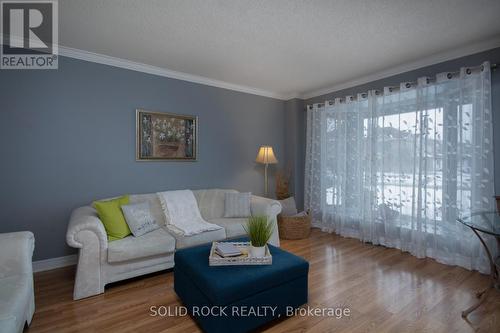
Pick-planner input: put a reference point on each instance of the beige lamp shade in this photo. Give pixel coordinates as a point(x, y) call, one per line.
point(266, 155)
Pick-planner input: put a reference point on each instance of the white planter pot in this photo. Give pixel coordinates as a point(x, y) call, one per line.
point(257, 251)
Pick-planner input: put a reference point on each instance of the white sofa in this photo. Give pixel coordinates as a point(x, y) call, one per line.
point(17, 299)
point(101, 262)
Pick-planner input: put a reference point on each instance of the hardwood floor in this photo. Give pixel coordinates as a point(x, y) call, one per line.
point(386, 291)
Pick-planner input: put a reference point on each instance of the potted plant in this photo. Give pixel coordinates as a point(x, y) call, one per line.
point(259, 230)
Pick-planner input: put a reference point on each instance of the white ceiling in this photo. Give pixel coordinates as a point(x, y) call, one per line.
point(285, 47)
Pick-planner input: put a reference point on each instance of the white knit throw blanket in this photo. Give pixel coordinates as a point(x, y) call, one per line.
point(182, 212)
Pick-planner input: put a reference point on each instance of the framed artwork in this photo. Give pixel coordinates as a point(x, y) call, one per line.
point(166, 136)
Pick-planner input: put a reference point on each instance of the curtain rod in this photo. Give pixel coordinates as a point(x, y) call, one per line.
point(493, 67)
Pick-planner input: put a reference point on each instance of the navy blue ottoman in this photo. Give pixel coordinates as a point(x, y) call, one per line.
point(239, 298)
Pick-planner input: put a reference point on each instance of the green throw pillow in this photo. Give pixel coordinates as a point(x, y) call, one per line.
point(111, 216)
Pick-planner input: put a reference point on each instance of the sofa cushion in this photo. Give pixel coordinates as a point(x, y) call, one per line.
point(154, 206)
point(233, 226)
point(237, 204)
point(15, 295)
point(139, 218)
point(112, 218)
point(154, 243)
point(211, 202)
point(288, 207)
point(198, 239)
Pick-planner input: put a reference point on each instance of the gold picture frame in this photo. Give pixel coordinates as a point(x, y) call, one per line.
point(162, 136)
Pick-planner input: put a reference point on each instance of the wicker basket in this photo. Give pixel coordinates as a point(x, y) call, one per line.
point(294, 227)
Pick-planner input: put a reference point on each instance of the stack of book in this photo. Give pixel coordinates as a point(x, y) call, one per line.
point(227, 250)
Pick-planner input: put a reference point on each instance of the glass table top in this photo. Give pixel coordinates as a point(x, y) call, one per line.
point(487, 222)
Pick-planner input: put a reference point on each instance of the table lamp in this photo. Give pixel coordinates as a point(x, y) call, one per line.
point(266, 156)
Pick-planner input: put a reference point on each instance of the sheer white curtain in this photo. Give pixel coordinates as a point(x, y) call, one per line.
point(398, 167)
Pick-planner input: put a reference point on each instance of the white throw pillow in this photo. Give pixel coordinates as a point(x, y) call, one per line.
point(237, 204)
point(139, 219)
point(288, 207)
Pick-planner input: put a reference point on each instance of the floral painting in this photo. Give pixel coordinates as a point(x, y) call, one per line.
point(166, 136)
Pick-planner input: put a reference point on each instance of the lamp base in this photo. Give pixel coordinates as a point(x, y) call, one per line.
point(265, 180)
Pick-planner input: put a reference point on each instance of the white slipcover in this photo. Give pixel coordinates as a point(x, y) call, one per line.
point(234, 226)
point(17, 300)
point(100, 262)
point(156, 242)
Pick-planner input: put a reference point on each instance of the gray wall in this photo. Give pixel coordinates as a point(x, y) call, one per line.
point(67, 137)
point(492, 55)
point(295, 136)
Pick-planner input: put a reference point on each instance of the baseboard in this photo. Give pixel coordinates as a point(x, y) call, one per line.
point(52, 263)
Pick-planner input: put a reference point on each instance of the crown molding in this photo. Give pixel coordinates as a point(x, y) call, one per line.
point(292, 96)
point(103, 59)
point(154, 70)
point(428, 61)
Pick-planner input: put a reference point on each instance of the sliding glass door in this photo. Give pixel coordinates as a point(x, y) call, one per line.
point(397, 168)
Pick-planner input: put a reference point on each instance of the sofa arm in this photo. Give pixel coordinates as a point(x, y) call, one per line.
point(86, 232)
point(270, 208)
point(16, 253)
point(265, 206)
point(83, 221)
